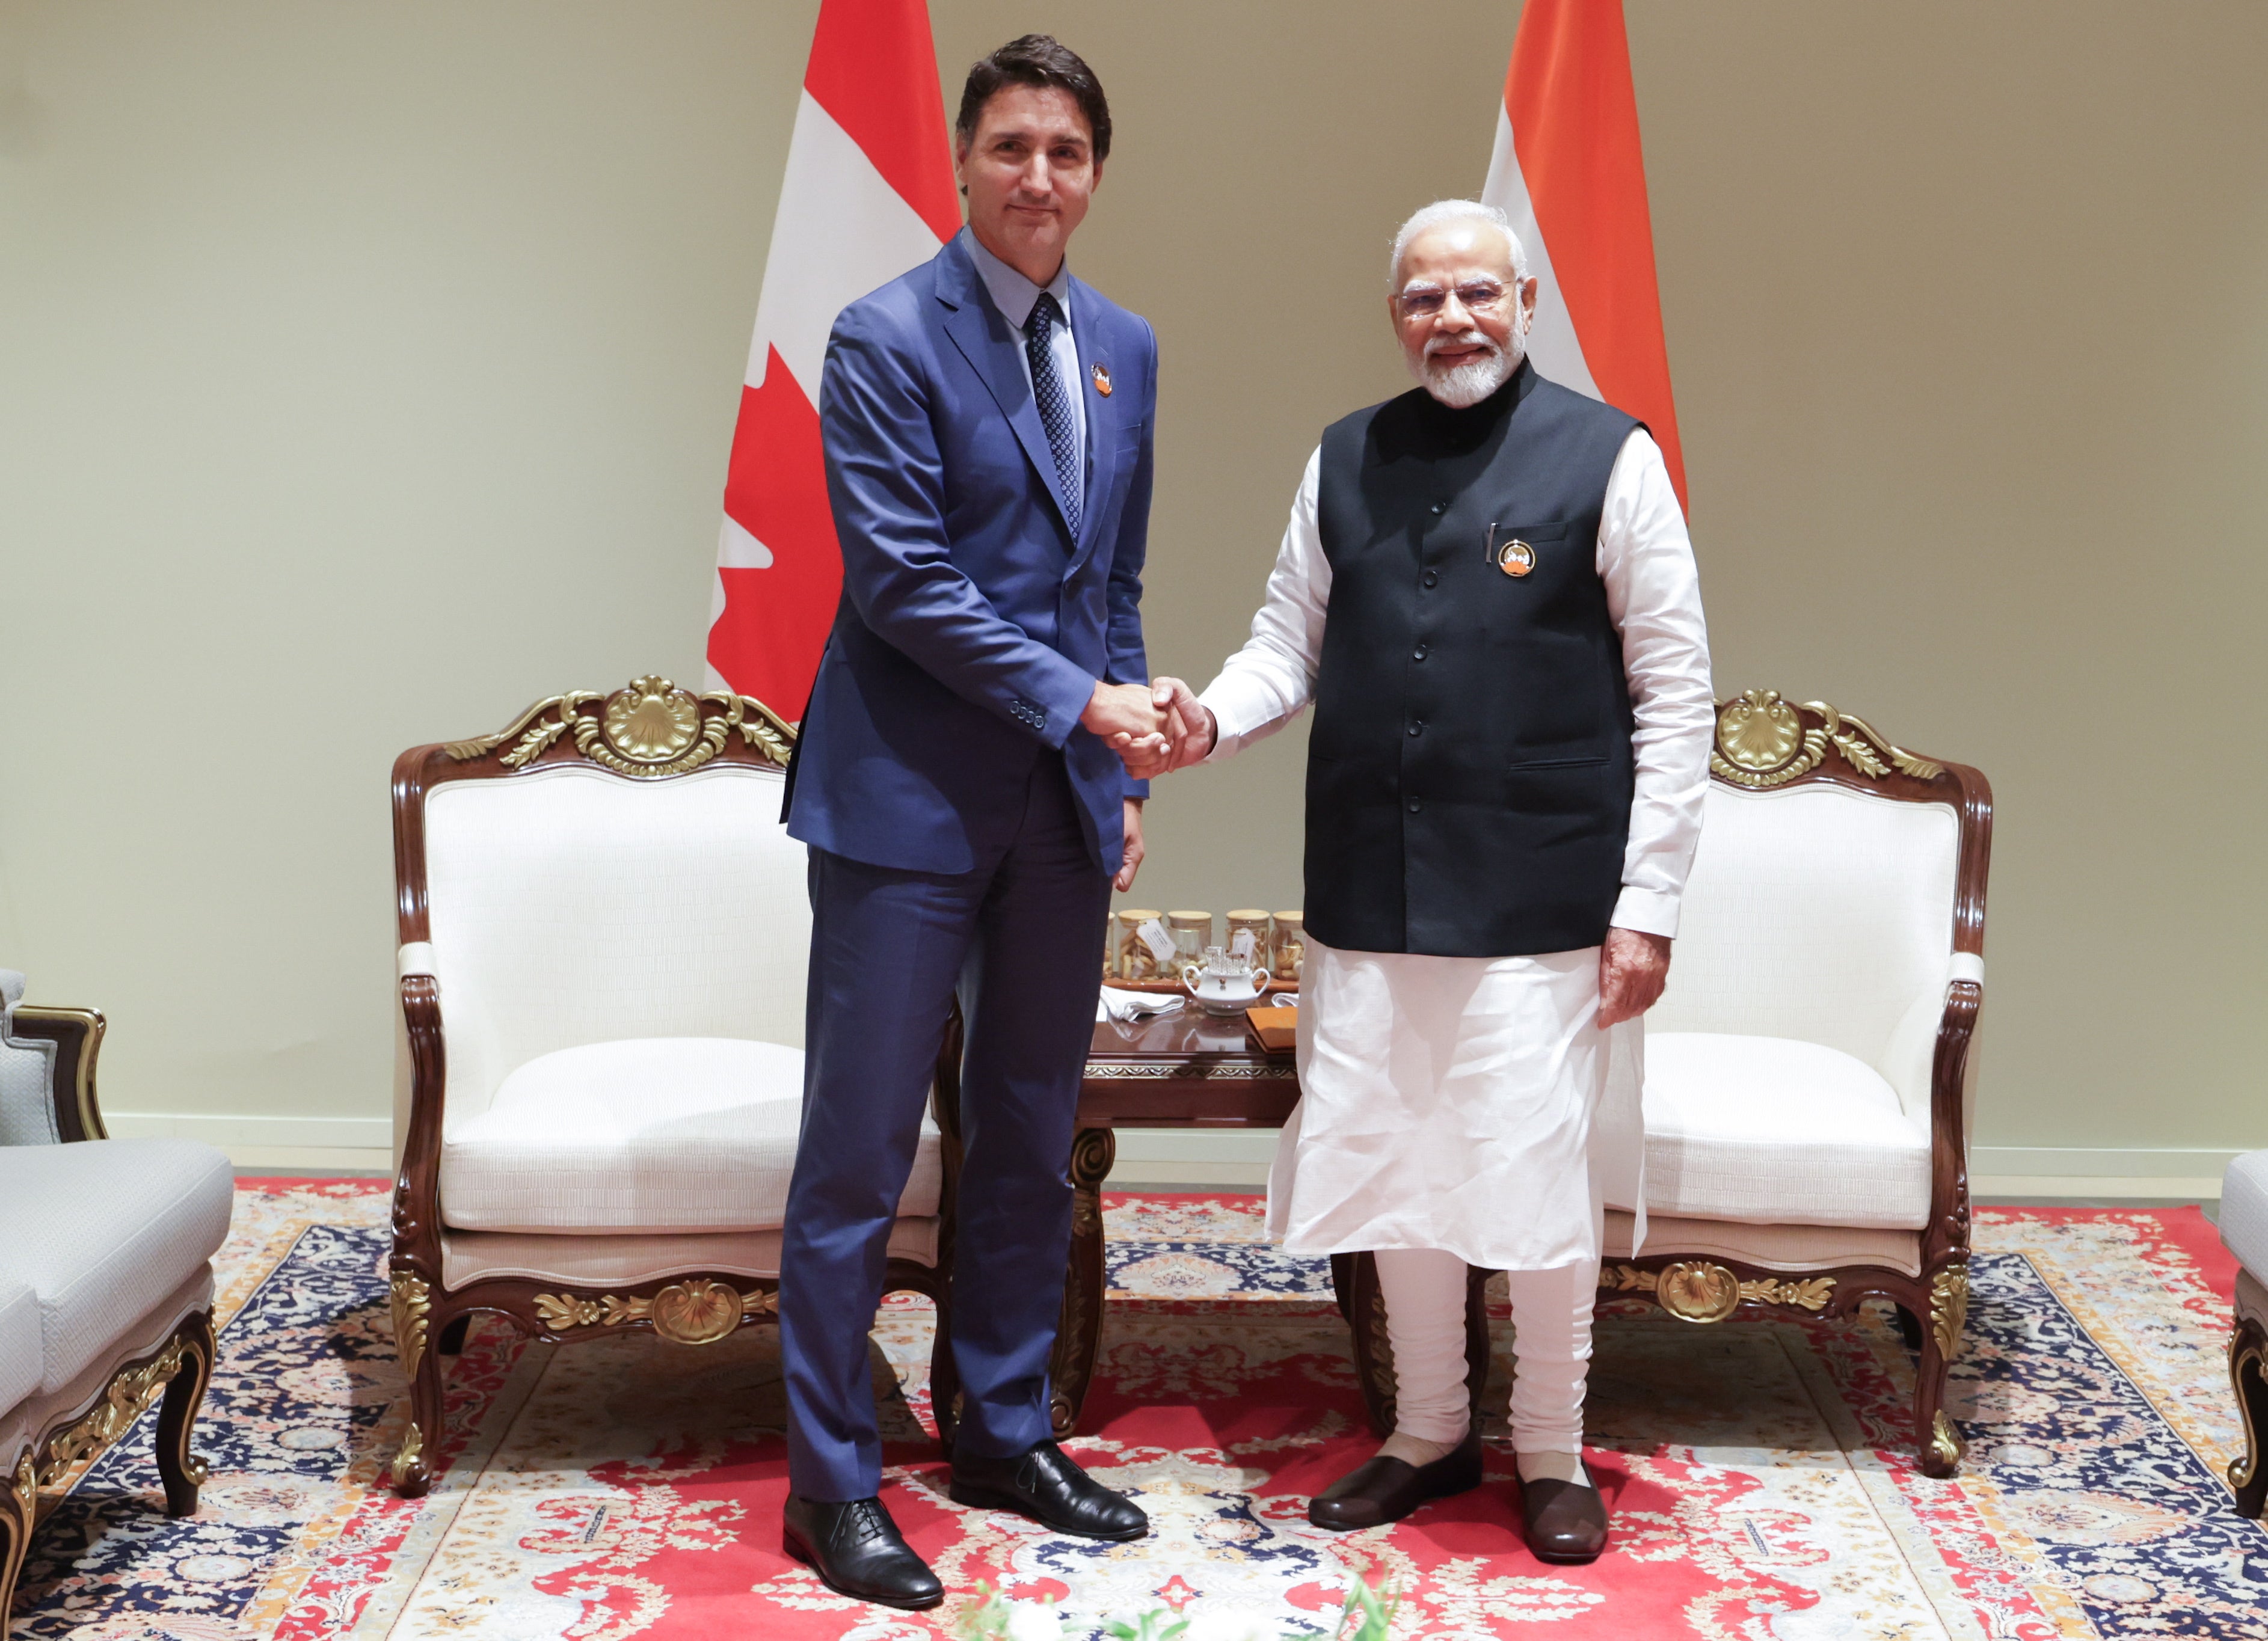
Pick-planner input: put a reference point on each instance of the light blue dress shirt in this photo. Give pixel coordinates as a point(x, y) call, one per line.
point(1015, 296)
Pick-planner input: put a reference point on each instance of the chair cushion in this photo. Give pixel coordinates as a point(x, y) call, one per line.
point(20, 1346)
point(102, 1231)
point(2244, 1211)
point(1774, 1130)
point(653, 1133)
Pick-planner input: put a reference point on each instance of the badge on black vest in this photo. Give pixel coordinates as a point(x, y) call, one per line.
point(1515, 558)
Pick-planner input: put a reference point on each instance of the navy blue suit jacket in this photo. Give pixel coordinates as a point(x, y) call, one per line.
point(973, 625)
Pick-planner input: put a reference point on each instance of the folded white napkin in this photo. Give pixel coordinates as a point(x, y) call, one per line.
point(1115, 1004)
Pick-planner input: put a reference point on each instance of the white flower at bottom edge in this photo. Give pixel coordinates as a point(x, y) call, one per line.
point(1205, 1626)
point(1035, 1621)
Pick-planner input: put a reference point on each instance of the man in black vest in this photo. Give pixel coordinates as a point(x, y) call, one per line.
point(1487, 592)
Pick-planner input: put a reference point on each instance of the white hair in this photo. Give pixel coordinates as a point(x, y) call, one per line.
point(1455, 210)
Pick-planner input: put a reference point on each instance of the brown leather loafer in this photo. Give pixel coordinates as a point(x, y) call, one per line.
point(1566, 1522)
point(1386, 1490)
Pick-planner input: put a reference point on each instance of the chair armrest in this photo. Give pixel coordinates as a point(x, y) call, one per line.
point(1947, 1235)
point(76, 1035)
point(417, 1189)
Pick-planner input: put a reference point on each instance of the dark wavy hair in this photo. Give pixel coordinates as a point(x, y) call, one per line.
point(1035, 60)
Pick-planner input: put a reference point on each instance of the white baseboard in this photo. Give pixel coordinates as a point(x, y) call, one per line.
point(1227, 1158)
point(1239, 1157)
point(286, 1144)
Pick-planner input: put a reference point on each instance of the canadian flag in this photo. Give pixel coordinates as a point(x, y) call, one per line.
point(868, 194)
point(1568, 170)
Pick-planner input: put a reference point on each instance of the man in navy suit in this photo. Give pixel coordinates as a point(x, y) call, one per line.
point(987, 422)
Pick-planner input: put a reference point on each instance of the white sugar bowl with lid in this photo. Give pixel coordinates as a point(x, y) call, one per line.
point(1224, 982)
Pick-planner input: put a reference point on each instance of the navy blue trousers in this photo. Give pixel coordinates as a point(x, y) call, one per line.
point(1021, 939)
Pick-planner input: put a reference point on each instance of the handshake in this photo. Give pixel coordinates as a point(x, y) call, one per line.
point(1155, 728)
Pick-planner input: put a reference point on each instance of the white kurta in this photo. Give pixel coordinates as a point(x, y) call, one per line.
point(1472, 1104)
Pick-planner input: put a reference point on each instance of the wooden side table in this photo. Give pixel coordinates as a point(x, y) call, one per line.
point(1187, 1069)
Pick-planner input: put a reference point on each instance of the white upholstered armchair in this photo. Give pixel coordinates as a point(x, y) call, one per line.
point(106, 1274)
point(1809, 1069)
point(603, 933)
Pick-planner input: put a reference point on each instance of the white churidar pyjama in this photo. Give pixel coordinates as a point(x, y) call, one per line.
point(1425, 1294)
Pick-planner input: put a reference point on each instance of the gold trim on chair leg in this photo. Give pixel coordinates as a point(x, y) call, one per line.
point(2248, 1374)
point(412, 1467)
point(131, 1393)
point(1942, 1446)
point(20, 1501)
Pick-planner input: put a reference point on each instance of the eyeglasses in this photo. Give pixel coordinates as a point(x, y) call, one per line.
point(1424, 301)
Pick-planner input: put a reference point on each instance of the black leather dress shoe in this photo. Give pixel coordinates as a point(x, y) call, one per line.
point(1052, 1490)
point(1386, 1490)
point(855, 1549)
point(1566, 1521)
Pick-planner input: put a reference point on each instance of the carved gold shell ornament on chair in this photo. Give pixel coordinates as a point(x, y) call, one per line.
point(1762, 741)
point(648, 729)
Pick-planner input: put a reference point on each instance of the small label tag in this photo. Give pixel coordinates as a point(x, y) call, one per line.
point(1243, 945)
point(1161, 944)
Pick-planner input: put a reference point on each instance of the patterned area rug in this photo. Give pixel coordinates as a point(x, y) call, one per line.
point(1757, 1472)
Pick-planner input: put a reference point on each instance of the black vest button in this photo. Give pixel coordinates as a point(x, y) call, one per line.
point(1417, 654)
point(1417, 726)
point(1414, 805)
point(1439, 508)
point(1432, 576)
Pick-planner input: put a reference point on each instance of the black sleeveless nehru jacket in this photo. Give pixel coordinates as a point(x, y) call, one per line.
point(1469, 768)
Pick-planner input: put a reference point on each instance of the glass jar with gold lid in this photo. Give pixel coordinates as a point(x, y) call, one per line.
point(1135, 960)
point(1290, 946)
point(1254, 924)
point(1192, 932)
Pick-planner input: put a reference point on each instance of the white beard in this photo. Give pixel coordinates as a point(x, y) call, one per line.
point(1461, 385)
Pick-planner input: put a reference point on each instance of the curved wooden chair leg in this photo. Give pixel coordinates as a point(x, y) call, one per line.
point(1941, 1442)
point(1079, 1331)
point(2248, 1371)
point(421, 1436)
point(182, 1471)
point(19, 1499)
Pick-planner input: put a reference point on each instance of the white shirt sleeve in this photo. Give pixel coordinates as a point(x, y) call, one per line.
point(1653, 597)
point(1263, 685)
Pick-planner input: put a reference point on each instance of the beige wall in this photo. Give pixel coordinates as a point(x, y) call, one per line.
point(367, 371)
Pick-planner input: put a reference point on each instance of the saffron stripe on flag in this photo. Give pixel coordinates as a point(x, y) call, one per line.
point(1574, 168)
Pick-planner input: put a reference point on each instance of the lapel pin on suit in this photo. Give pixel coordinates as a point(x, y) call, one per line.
point(1102, 380)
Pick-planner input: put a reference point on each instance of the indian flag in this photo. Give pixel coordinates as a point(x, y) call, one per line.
point(1568, 170)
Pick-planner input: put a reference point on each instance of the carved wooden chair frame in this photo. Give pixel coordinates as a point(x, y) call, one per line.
point(1764, 743)
point(650, 730)
point(2247, 1375)
point(178, 1369)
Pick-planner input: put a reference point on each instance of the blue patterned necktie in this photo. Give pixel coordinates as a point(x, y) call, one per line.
point(1055, 409)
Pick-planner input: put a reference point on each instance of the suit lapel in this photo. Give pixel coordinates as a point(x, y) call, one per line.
point(994, 351)
point(1104, 417)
